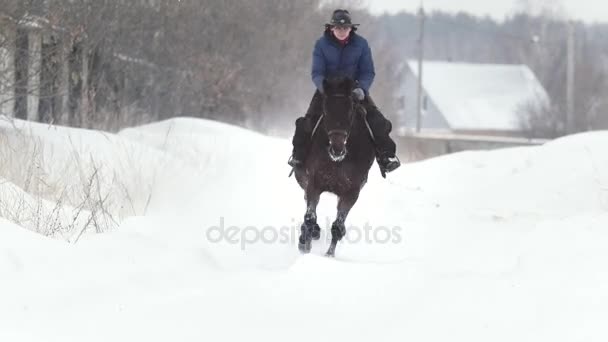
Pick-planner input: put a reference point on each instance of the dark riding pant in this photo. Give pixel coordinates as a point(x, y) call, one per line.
point(380, 126)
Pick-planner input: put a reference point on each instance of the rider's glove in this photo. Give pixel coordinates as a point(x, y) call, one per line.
point(359, 94)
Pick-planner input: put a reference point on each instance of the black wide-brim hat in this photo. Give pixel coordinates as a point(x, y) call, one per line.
point(341, 18)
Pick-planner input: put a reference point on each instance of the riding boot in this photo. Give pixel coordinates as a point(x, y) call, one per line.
point(304, 129)
point(300, 142)
point(385, 146)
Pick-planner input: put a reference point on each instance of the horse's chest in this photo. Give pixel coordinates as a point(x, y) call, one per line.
point(337, 180)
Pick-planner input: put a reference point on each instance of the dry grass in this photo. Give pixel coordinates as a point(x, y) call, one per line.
point(65, 195)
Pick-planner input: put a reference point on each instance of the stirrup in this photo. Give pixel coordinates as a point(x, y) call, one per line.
point(388, 163)
point(293, 162)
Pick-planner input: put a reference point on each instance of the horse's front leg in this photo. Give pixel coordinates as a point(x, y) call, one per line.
point(338, 228)
point(310, 229)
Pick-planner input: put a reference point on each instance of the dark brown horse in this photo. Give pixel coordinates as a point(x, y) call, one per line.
point(339, 159)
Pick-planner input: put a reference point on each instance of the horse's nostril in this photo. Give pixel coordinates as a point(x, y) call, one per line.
point(337, 153)
point(337, 156)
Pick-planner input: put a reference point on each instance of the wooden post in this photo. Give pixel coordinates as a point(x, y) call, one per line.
point(20, 68)
point(570, 80)
point(48, 75)
point(75, 83)
point(63, 81)
point(34, 71)
point(85, 109)
point(420, 59)
point(7, 68)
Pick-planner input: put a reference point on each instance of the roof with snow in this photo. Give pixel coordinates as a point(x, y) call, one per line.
point(480, 96)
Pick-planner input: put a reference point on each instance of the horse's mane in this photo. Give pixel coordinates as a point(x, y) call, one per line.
point(338, 85)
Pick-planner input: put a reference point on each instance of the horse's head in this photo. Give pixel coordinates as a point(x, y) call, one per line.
point(339, 113)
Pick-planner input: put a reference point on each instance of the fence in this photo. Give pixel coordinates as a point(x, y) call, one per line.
point(417, 146)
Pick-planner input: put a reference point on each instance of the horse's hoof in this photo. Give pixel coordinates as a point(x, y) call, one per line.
point(331, 252)
point(316, 232)
point(304, 246)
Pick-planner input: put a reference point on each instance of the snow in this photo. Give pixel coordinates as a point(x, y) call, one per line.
point(498, 245)
point(480, 96)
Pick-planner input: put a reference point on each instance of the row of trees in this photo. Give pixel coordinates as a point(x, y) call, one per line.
point(248, 62)
point(539, 41)
point(149, 60)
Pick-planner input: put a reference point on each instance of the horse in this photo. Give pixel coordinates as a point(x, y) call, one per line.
point(338, 161)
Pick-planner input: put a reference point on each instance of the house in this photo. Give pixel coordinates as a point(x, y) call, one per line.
point(484, 99)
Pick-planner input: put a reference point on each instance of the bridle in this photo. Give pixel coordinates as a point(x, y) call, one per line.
point(352, 117)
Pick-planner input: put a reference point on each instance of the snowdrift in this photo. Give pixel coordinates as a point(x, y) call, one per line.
point(500, 245)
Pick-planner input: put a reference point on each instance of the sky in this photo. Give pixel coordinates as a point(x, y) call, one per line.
point(586, 10)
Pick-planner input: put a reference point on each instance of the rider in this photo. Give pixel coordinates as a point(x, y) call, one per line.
point(340, 51)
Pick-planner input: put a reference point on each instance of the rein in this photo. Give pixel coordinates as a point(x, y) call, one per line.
point(352, 107)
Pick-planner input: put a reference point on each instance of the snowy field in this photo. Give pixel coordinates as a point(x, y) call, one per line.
point(186, 230)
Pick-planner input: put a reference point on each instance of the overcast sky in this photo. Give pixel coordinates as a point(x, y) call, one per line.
point(587, 10)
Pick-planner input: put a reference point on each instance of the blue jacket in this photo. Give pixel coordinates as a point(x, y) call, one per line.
point(329, 58)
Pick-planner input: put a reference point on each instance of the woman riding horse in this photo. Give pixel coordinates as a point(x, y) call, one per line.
point(341, 154)
point(342, 52)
